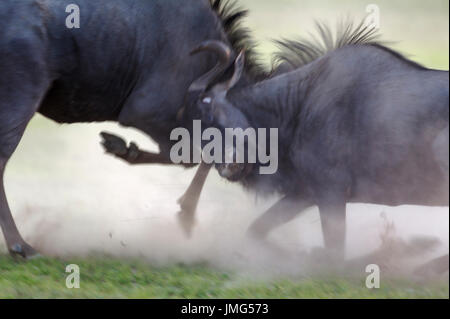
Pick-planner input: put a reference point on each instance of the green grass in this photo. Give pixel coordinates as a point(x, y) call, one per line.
point(113, 278)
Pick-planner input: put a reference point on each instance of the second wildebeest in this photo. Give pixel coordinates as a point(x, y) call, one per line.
point(128, 62)
point(357, 121)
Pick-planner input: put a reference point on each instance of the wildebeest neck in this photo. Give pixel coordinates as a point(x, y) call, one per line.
point(276, 102)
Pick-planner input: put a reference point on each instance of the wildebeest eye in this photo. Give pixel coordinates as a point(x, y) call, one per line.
point(207, 100)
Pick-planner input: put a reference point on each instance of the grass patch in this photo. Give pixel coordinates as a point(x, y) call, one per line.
point(113, 278)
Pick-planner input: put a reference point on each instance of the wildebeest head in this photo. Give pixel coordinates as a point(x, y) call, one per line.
point(207, 100)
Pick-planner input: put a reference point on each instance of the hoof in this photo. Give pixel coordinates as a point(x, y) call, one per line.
point(24, 251)
point(113, 144)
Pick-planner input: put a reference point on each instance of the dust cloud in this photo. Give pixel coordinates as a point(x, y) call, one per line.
point(69, 199)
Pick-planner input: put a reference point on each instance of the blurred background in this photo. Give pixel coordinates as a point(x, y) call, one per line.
point(70, 198)
point(419, 29)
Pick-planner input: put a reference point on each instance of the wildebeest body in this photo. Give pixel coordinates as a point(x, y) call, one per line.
point(359, 121)
point(128, 62)
point(128, 59)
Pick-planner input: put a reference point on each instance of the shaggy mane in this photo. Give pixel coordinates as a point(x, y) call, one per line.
point(294, 54)
point(231, 16)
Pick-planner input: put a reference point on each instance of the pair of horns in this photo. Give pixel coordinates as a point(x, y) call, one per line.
point(225, 54)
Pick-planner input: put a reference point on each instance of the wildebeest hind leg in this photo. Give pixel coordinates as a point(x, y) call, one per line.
point(13, 119)
point(10, 135)
point(14, 241)
point(279, 214)
point(22, 89)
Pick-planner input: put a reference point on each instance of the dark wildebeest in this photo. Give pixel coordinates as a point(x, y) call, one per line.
point(128, 62)
point(357, 122)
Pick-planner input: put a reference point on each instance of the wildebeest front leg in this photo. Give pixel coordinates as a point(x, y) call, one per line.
point(188, 202)
point(279, 214)
point(117, 146)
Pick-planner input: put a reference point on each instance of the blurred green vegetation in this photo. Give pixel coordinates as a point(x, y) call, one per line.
point(112, 278)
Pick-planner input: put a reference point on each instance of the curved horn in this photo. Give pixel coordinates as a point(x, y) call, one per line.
point(239, 64)
point(224, 53)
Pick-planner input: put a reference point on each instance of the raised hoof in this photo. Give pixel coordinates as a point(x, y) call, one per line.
point(24, 251)
point(114, 145)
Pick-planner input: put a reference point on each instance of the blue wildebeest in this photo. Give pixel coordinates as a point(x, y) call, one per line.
point(357, 122)
point(128, 62)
